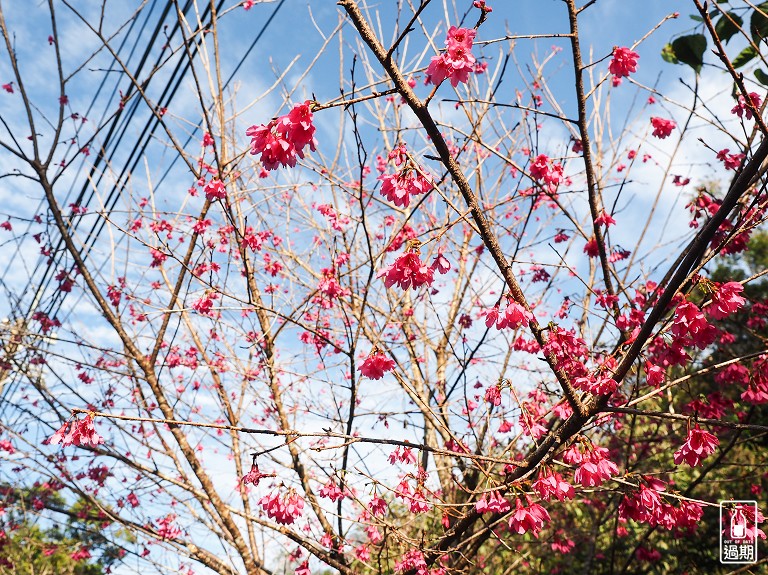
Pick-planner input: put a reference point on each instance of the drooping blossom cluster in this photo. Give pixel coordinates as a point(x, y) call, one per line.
point(254, 476)
point(514, 316)
point(376, 365)
point(457, 61)
point(546, 172)
point(742, 109)
point(691, 328)
point(399, 187)
point(331, 490)
point(726, 299)
point(594, 466)
point(79, 432)
point(551, 484)
point(528, 519)
point(596, 384)
point(408, 271)
point(282, 141)
point(662, 127)
point(730, 161)
point(284, 508)
point(166, 528)
point(699, 445)
point(623, 63)
point(493, 502)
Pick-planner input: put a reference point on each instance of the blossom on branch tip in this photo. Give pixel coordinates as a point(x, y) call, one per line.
point(726, 300)
point(457, 61)
point(282, 141)
point(528, 519)
point(376, 365)
point(699, 445)
point(408, 271)
point(623, 63)
point(81, 432)
point(662, 127)
point(285, 508)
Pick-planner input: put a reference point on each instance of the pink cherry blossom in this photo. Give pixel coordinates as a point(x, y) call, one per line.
point(530, 519)
point(726, 300)
point(595, 468)
point(282, 141)
point(623, 63)
point(690, 327)
point(697, 446)
point(283, 508)
point(408, 271)
point(492, 502)
point(331, 491)
point(661, 127)
point(551, 484)
point(376, 365)
point(742, 109)
point(457, 61)
point(81, 432)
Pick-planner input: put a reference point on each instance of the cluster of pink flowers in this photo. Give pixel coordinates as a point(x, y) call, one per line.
point(331, 491)
point(457, 61)
point(662, 127)
point(726, 299)
point(730, 161)
point(283, 140)
point(514, 316)
point(215, 190)
point(594, 467)
point(690, 327)
point(254, 476)
point(492, 502)
point(376, 365)
point(551, 484)
point(549, 174)
point(601, 384)
point(408, 271)
point(530, 519)
point(699, 445)
point(81, 432)
point(283, 508)
point(166, 528)
point(398, 188)
point(623, 63)
point(742, 109)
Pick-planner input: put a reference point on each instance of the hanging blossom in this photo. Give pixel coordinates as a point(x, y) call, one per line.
point(551, 484)
point(623, 63)
point(595, 468)
point(699, 445)
point(457, 61)
point(528, 519)
point(410, 180)
point(376, 365)
point(492, 502)
point(726, 299)
point(81, 432)
point(285, 508)
point(690, 327)
point(742, 109)
point(282, 141)
point(549, 174)
point(409, 271)
point(514, 316)
point(662, 127)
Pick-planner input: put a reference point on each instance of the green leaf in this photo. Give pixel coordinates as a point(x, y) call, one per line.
point(696, 18)
point(668, 54)
point(744, 56)
point(728, 26)
point(758, 22)
point(690, 50)
point(761, 76)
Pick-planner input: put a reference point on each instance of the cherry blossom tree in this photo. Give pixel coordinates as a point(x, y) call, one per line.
point(466, 310)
